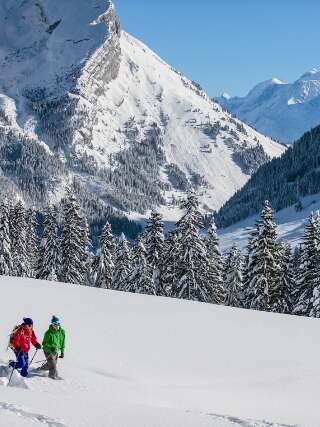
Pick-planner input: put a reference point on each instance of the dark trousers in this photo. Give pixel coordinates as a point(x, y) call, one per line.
point(22, 363)
point(51, 364)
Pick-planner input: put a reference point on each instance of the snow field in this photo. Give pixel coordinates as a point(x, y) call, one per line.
point(134, 360)
point(290, 225)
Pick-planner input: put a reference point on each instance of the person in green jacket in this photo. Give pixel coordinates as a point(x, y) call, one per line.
point(53, 344)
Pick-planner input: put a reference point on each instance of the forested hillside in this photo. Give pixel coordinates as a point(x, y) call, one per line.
point(282, 181)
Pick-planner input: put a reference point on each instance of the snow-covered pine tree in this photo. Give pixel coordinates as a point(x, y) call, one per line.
point(296, 258)
point(286, 278)
point(315, 310)
point(123, 266)
point(18, 230)
point(74, 242)
point(104, 273)
point(49, 260)
point(88, 272)
point(309, 268)
point(262, 289)
point(191, 263)
point(32, 242)
point(140, 279)
point(215, 266)
point(169, 271)
point(233, 281)
point(6, 264)
point(154, 244)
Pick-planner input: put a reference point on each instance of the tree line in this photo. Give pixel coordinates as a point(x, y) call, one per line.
point(186, 263)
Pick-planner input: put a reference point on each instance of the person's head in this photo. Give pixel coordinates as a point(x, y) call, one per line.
point(28, 322)
point(55, 322)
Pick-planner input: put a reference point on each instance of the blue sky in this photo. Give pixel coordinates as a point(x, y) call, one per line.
point(228, 45)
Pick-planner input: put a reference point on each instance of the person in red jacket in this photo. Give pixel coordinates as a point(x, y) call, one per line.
point(20, 344)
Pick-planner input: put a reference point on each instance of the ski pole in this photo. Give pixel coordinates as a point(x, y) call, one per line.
point(40, 361)
point(33, 358)
point(13, 368)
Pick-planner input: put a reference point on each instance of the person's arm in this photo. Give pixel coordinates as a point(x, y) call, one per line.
point(46, 342)
point(45, 339)
point(63, 341)
point(34, 341)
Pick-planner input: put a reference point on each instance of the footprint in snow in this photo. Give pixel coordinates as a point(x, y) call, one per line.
point(42, 419)
point(249, 423)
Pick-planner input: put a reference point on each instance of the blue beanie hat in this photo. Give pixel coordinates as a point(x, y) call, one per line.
point(55, 320)
point(27, 321)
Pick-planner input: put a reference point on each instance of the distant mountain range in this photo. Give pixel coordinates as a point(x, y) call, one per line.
point(283, 111)
point(83, 102)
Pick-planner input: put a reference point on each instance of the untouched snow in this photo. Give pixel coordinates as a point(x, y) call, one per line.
point(134, 360)
point(290, 225)
point(281, 110)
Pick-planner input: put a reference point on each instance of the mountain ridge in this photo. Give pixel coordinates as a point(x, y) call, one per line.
point(129, 129)
point(284, 111)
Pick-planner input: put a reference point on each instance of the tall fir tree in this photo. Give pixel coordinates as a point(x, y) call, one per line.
point(262, 289)
point(50, 246)
point(140, 279)
point(169, 270)
point(18, 230)
point(296, 258)
point(315, 309)
point(191, 267)
point(286, 279)
point(74, 242)
point(154, 244)
point(123, 266)
point(32, 242)
point(6, 264)
point(105, 270)
point(215, 267)
point(233, 279)
point(309, 267)
point(88, 272)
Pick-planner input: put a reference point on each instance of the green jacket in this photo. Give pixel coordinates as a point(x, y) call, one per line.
point(54, 339)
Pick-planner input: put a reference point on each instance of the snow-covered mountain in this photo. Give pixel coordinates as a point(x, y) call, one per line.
point(136, 360)
point(284, 111)
point(81, 99)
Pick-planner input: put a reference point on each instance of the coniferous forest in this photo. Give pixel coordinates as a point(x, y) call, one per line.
point(186, 263)
point(284, 181)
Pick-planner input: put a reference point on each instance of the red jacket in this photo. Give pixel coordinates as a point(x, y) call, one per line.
point(23, 337)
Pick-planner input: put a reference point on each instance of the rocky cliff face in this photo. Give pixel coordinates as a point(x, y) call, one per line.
point(82, 101)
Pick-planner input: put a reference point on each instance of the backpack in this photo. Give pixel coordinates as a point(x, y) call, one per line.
point(11, 337)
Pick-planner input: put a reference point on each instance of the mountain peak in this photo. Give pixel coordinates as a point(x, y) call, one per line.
point(42, 40)
point(313, 74)
point(261, 87)
point(225, 95)
point(102, 110)
point(281, 110)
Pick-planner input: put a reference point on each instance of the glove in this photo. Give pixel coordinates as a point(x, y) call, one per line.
point(38, 346)
point(61, 356)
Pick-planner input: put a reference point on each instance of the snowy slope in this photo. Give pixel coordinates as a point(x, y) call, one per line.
point(281, 110)
point(134, 360)
point(290, 224)
point(85, 90)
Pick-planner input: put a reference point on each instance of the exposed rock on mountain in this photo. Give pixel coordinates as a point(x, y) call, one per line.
point(82, 101)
